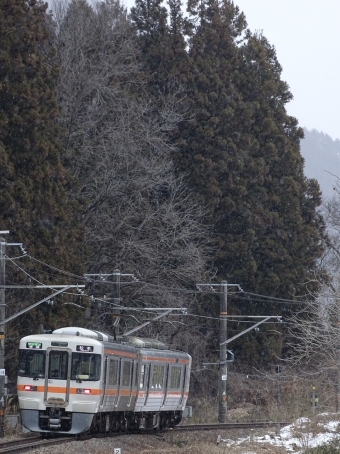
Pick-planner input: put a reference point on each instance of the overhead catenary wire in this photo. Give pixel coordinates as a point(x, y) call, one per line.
point(243, 295)
point(25, 272)
point(40, 283)
point(67, 273)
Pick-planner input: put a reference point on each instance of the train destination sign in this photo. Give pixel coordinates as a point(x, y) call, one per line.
point(34, 345)
point(84, 348)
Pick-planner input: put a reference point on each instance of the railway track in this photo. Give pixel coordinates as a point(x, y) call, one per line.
point(26, 444)
point(232, 425)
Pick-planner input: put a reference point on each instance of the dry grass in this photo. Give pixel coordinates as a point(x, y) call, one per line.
point(256, 397)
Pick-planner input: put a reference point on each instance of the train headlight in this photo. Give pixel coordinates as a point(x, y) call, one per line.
point(83, 391)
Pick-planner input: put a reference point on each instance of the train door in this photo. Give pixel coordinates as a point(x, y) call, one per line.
point(166, 383)
point(185, 378)
point(103, 399)
point(112, 386)
point(156, 391)
point(133, 373)
point(125, 384)
point(147, 375)
point(57, 376)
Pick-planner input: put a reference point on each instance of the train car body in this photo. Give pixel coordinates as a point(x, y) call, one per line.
point(77, 380)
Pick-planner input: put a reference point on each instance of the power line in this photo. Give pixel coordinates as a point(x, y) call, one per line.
point(56, 269)
point(16, 258)
point(25, 272)
point(271, 297)
point(236, 294)
point(276, 301)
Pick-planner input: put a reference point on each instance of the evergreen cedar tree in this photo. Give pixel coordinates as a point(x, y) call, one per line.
point(240, 149)
point(238, 146)
point(34, 185)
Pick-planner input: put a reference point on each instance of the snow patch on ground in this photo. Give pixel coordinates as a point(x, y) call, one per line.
point(303, 434)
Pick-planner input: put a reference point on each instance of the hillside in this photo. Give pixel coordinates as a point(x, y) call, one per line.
point(322, 159)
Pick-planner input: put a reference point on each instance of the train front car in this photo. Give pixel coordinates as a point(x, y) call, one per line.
point(59, 385)
point(77, 380)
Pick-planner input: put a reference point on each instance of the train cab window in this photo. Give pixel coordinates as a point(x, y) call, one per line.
point(126, 376)
point(175, 377)
point(32, 363)
point(157, 377)
point(58, 361)
point(113, 372)
point(85, 366)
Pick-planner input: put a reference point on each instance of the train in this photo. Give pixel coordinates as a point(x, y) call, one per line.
point(77, 380)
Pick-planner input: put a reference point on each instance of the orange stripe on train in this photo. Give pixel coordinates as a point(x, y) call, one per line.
point(120, 353)
point(167, 360)
point(59, 390)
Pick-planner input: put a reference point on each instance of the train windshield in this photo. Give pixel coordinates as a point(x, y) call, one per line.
point(32, 363)
point(85, 366)
point(58, 363)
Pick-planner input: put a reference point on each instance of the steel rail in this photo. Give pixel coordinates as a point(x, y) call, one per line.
point(232, 425)
point(26, 444)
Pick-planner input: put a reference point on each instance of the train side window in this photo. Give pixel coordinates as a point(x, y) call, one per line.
point(157, 377)
point(126, 378)
point(142, 376)
point(113, 372)
point(175, 377)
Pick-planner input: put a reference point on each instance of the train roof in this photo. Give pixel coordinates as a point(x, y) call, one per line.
point(83, 332)
point(71, 332)
point(103, 337)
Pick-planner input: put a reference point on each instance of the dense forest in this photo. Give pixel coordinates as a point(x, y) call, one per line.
point(158, 144)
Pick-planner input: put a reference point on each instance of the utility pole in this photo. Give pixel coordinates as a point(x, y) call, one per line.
point(278, 372)
point(2, 331)
point(116, 301)
point(222, 384)
point(222, 379)
point(224, 352)
point(314, 400)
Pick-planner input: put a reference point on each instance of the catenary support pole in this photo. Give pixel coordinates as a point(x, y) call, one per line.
point(222, 379)
point(116, 301)
point(222, 394)
point(2, 334)
point(116, 287)
point(278, 372)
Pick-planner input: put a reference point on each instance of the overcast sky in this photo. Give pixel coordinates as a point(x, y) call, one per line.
point(306, 35)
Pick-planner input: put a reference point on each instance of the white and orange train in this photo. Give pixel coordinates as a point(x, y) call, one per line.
point(77, 380)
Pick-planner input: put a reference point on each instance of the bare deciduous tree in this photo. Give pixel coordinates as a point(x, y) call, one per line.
point(331, 215)
point(314, 331)
point(138, 215)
